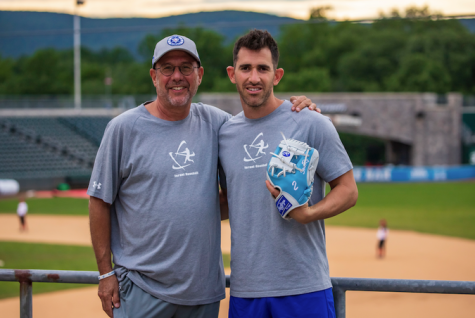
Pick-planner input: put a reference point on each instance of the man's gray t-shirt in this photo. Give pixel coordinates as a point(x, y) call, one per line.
point(270, 256)
point(161, 179)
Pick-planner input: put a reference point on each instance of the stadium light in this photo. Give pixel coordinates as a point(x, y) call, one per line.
point(77, 56)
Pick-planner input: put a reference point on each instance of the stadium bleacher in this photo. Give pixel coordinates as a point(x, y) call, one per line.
point(92, 128)
point(49, 147)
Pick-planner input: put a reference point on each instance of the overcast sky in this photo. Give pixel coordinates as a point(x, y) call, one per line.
point(342, 9)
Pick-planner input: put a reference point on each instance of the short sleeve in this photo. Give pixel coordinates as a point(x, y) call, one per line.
point(107, 173)
point(334, 160)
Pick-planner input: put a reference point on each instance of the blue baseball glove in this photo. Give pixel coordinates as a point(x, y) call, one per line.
point(292, 170)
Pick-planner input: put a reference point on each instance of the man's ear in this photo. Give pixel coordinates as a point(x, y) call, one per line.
point(230, 70)
point(279, 73)
point(153, 75)
point(201, 71)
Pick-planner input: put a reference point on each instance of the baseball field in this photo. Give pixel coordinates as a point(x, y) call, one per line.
point(432, 236)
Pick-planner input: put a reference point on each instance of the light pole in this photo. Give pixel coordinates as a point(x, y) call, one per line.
point(77, 57)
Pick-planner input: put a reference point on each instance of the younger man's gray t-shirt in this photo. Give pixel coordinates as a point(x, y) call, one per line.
point(160, 178)
point(270, 256)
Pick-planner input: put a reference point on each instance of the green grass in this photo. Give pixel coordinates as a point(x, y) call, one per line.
point(44, 256)
point(227, 260)
point(48, 256)
point(67, 206)
point(437, 208)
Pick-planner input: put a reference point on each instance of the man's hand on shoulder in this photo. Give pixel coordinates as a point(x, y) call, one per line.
point(109, 294)
point(300, 102)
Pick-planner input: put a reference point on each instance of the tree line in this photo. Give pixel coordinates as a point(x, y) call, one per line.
point(388, 55)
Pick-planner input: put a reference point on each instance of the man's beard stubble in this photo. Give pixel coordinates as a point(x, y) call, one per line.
point(181, 101)
point(255, 104)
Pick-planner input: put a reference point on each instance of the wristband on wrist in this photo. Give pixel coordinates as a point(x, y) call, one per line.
point(106, 275)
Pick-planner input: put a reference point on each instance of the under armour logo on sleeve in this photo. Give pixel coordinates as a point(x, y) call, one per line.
point(97, 185)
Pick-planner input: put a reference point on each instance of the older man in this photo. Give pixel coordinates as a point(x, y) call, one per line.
point(279, 267)
point(154, 198)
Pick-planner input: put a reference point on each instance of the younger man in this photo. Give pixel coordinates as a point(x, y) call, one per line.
point(279, 268)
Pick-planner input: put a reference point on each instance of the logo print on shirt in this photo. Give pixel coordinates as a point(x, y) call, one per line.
point(96, 185)
point(185, 153)
point(259, 146)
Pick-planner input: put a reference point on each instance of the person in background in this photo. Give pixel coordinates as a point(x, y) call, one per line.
point(382, 236)
point(22, 210)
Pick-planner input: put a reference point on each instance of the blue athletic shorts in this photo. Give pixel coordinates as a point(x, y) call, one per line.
point(312, 305)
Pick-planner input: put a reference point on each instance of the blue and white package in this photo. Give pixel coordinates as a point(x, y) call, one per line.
point(292, 170)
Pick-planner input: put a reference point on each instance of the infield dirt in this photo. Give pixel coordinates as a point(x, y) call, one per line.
point(351, 252)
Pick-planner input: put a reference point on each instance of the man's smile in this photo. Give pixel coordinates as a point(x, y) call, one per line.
point(178, 88)
point(253, 89)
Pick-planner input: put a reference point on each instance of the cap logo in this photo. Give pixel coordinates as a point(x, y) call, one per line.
point(175, 40)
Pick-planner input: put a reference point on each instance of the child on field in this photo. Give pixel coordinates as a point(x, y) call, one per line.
point(22, 210)
point(382, 236)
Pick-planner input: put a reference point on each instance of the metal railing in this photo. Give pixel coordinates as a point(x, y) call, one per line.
point(340, 285)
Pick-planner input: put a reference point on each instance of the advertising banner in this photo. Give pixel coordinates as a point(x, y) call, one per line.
point(413, 174)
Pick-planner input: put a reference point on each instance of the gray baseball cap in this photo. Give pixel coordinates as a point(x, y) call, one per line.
point(175, 42)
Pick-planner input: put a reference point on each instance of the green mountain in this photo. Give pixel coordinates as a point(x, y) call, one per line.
point(469, 24)
point(21, 33)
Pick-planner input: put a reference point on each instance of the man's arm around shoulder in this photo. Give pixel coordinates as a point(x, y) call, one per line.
point(343, 195)
point(99, 222)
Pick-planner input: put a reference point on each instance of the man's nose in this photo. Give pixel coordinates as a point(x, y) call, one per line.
point(176, 75)
point(254, 76)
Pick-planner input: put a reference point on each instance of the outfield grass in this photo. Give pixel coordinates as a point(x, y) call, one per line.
point(44, 256)
point(67, 206)
point(48, 256)
point(437, 208)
